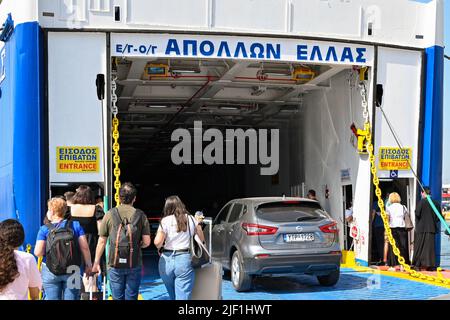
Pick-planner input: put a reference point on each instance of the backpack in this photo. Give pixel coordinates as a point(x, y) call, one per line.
point(62, 249)
point(125, 241)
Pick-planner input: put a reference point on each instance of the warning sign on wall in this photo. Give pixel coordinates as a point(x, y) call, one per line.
point(77, 159)
point(394, 158)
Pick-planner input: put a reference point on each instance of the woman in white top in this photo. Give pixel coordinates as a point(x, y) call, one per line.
point(396, 213)
point(19, 273)
point(173, 238)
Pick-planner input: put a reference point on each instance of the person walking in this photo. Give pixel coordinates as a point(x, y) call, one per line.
point(128, 231)
point(396, 213)
point(89, 215)
point(311, 195)
point(349, 222)
point(378, 235)
point(63, 243)
point(68, 196)
point(173, 240)
point(426, 227)
point(19, 274)
point(387, 203)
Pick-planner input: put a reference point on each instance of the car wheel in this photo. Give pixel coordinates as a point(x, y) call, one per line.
point(240, 279)
point(330, 279)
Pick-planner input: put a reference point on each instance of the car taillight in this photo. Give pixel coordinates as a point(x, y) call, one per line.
point(253, 229)
point(330, 228)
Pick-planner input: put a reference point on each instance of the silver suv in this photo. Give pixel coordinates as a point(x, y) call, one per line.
point(276, 235)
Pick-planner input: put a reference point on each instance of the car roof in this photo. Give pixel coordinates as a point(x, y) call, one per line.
point(260, 200)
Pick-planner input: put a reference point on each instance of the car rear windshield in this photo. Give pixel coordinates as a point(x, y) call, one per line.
point(291, 211)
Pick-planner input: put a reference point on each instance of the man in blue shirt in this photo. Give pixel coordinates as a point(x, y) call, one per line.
point(58, 287)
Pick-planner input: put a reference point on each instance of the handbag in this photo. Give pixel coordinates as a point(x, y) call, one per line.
point(199, 254)
point(407, 217)
point(92, 292)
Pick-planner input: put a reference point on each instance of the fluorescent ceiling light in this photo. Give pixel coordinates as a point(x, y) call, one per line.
point(228, 108)
point(157, 106)
point(58, 184)
point(289, 110)
point(277, 72)
point(181, 70)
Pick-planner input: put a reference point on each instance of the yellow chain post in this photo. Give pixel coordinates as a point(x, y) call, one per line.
point(116, 158)
point(28, 250)
point(373, 168)
point(39, 265)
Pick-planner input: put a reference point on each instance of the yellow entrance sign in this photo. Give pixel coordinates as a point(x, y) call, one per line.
point(77, 159)
point(394, 158)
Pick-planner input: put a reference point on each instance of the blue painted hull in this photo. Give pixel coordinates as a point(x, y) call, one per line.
point(22, 170)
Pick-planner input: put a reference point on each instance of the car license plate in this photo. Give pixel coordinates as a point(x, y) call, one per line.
point(299, 237)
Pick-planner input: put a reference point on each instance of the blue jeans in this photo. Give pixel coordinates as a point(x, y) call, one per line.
point(177, 274)
point(125, 283)
point(64, 287)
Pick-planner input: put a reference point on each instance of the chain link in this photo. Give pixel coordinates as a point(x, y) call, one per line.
point(376, 182)
point(115, 135)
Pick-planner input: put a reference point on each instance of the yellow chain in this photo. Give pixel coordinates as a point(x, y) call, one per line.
point(373, 168)
point(116, 158)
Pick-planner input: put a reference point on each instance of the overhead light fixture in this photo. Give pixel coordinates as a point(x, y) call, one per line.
point(228, 108)
point(279, 73)
point(184, 71)
point(288, 110)
point(59, 184)
point(156, 106)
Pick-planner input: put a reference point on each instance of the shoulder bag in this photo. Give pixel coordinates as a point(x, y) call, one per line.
point(199, 253)
point(407, 217)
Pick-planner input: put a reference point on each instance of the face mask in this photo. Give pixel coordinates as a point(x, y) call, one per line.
point(49, 215)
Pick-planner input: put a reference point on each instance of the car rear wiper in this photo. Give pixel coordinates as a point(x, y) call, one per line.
point(306, 218)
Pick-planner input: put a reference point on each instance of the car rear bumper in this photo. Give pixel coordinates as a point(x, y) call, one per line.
point(312, 264)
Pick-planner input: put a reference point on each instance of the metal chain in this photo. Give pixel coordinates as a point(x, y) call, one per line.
point(115, 135)
point(376, 182)
point(364, 103)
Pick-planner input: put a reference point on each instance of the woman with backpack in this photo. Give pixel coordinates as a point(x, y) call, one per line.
point(62, 242)
point(89, 215)
point(173, 241)
point(19, 274)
